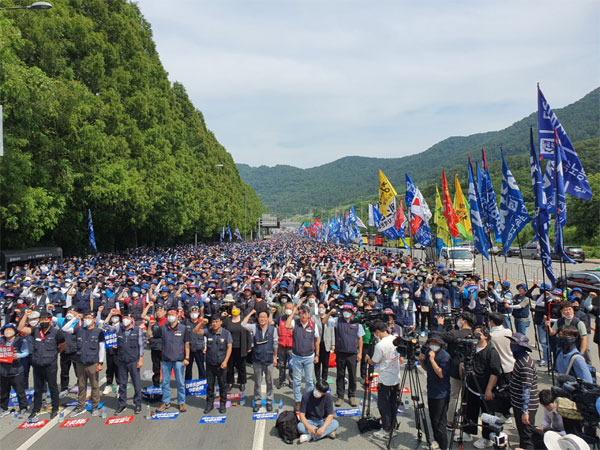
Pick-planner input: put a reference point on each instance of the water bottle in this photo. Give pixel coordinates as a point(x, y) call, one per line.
point(104, 412)
point(361, 403)
point(280, 405)
point(15, 418)
point(148, 416)
point(243, 399)
point(61, 415)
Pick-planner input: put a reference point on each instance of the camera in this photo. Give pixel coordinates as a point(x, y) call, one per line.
point(407, 346)
point(450, 318)
point(466, 347)
point(497, 436)
point(585, 395)
point(225, 308)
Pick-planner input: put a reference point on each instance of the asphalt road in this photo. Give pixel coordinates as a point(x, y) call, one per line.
point(185, 432)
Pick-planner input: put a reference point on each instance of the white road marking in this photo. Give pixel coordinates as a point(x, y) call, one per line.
point(260, 425)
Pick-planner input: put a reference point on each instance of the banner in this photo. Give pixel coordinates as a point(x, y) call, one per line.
point(91, 231)
point(479, 232)
point(513, 212)
point(6, 353)
point(110, 339)
point(443, 235)
point(447, 208)
point(462, 211)
point(560, 217)
point(386, 193)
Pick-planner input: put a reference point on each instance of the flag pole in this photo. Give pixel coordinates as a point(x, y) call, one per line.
point(535, 333)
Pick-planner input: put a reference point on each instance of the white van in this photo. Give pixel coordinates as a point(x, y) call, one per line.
point(458, 259)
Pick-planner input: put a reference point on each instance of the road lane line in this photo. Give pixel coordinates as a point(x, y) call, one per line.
point(38, 435)
point(260, 425)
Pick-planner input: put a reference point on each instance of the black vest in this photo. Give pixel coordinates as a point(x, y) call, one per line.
point(521, 313)
point(14, 368)
point(346, 337)
point(128, 345)
point(216, 346)
point(263, 346)
point(44, 350)
point(88, 345)
point(196, 341)
point(173, 342)
point(303, 339)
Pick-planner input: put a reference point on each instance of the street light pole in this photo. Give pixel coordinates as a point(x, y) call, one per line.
point(34, 6)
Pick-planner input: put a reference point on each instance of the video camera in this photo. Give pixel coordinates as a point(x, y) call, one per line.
point(225, 308)
point(368, 317)
point(466, 347)
point(408, 346)
point(450, 318)
point(495, 424)
point(585, 395)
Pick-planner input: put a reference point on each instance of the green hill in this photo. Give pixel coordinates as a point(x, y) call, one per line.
point(92, 121)
point(289, 190)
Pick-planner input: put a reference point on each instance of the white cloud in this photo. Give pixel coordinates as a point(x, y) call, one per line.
point(307, 82)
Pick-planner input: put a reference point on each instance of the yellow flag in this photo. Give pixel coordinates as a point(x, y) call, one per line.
point(386, 193)
point(462, 211)
point(442, 232)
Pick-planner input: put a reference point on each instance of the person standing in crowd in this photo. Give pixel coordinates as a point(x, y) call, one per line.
point(44, 356)
point(218, 351)
point(520, 308)
point(389, 361)
point(327, 342)
point(67, 357)
point(479, 388)
point(285, 344)
point(130, 358)
point(498, 335)
point(196, 344)
point(569, 360)
point(242, 345)
point(11, 373)
point(155, 342)
point(112, 372)
point(175, 357)
point(466, 322)
point(437, 363)
point(348, 351)
point(317, 414)
point(265, 355)
point(89, 360)
point(305, 349)
point(523, 390)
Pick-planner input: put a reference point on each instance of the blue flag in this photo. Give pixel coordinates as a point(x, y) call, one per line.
point(513, 212)
point(237, 234)
point(91, 231)
point(222, 235)
point(560, 217)
point(477, 226)
point(541, 219)
point(490, 200)
point(575, 180)
point(229, 232)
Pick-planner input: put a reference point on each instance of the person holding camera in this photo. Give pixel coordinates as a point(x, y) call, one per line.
point(523, 390)
point(466, 322)
point(437, 363)
point(386, 355)
point(480, 384)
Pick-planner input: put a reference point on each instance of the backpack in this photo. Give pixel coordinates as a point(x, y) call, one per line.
point(287, 426)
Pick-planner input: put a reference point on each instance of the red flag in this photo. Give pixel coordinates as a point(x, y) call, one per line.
point(448, 209)
point(400, 219)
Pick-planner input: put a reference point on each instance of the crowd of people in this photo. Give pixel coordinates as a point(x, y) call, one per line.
point(293, 303)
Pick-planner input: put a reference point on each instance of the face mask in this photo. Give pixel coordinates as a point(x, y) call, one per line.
point(317, 394)
point(234, 285)
point(516, 349)
point(419, 278)
point(405, 295)
point(194, 316)
point(55, 289)
point(322, 310)
point(87, 322)
point(478, 349)
point(438, 296)
point(235, 312)
point(435, 348)
point(144, 291)
point(459, 322)
point(569, 317)
point(9, 333)
point(115, 320)
point(69, 316)
point(34, 323)
point(454, 283)
point(347, 314)
point(311, 301)
point(135, 294)
point(126, 322)
point(288, 312)
point(172, 319)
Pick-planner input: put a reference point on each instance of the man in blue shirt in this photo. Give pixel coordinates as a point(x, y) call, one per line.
point(569, 360)
point(437, 363)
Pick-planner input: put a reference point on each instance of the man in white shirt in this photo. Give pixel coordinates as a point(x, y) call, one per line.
point(498, 334)
point(389, 361)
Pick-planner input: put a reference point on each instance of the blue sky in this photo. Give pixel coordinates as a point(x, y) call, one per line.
point(307, 82)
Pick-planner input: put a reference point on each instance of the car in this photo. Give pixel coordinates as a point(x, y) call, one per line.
point(575, 253)
point(513, 251)
point(458, 259)
point(586, 280)
point(530, 250)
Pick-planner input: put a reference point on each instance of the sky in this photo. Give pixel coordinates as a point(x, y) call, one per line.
point(307, 82)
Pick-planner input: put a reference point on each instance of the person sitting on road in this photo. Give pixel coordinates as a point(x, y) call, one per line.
point(316, 414)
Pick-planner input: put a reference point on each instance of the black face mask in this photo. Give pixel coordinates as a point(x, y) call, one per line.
point(566, 344)
point(45, 325)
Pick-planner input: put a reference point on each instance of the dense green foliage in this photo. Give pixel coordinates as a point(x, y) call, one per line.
point(92, 121)
point(289, 190)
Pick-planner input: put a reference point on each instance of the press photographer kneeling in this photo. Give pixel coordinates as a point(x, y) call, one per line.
point(437, 363)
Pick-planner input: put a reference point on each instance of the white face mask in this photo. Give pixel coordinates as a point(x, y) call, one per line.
point(288, 312)
point(34, 323)
point(435, 348)
point(87, 322)
point(126, 322)
point(569, 317)
point(172, 319)
point(194, 316)
point(347, 314)
point(438, 296)
point(317, 394)
point(9, 333)
point(405, 295)
point(311, 301)
point(322, 310)
point(135, 294)
point(55, 289)
point(115, 320)
point(69, 316)
point(459, 322)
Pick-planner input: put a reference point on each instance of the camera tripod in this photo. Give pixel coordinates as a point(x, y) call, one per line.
point(416, 394)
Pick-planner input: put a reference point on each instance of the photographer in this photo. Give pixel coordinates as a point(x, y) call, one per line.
point(479, 306)
point(466, 322)
point(437, 363)
point(389, 361)
point(569, 360)
point(480, 384)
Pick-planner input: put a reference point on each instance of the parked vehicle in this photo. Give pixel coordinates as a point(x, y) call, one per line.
point(586, 280)
point(513, 251)
point(458, 259)
point(531, 251)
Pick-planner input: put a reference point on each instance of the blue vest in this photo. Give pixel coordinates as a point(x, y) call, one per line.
point(196, 341)
point(88, 345)
point(303, 339)
point(136, 311)
point(15, 368)
point(82, 301)
point(216, 346)
point(263, 346)
point(128, 345)
point(404, 316)
point(346, 336)
point(173, 341)
point(521, 313)
point(44, 351)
